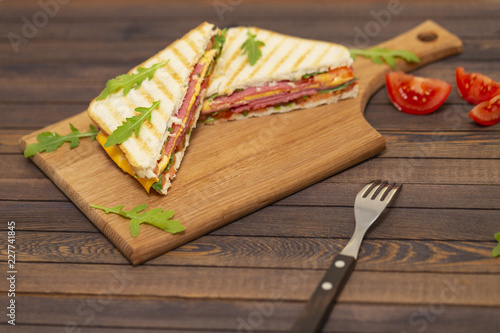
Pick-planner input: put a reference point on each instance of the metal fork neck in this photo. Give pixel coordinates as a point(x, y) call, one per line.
point(352, 248)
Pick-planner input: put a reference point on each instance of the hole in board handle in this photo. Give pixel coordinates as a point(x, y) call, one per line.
point(427, 36)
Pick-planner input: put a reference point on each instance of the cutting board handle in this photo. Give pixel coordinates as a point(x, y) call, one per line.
point(429, 41)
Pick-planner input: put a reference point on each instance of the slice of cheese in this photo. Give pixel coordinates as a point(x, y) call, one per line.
point(119, 158)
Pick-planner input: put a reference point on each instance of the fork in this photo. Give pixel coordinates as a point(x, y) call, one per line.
point(369, 204)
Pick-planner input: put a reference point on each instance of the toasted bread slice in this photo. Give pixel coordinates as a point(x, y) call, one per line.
point(168, 85)
point(283, 58)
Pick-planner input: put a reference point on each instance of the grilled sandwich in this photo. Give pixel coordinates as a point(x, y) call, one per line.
point(292, 73)
point(177, 86)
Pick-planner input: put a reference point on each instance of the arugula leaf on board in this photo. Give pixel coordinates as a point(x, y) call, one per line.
point(129, 81)
point(48, 141)
point(379, 55)
point(251, 47)
point(496, 250)
point(131, 124)
point(156, 217)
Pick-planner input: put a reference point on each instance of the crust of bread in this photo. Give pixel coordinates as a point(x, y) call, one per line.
point(168, 85)
point(352, 93)
point(283, 58)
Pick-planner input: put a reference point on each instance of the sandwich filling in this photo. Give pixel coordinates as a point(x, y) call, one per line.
point(275, 94)
point(182, 123)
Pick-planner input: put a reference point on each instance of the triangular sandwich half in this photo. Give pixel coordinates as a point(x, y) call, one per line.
point(291, 73)
point(172, 84)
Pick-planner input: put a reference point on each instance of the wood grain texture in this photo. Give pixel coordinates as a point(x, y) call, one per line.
point(222, 315)
point(253, 283)
point(268, 252)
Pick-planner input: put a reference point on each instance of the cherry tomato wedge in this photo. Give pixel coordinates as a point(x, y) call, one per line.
point(475, 87)
point(414, 94)
point(487, 113)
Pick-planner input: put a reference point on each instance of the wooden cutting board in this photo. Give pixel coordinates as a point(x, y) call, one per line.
point(235, 168)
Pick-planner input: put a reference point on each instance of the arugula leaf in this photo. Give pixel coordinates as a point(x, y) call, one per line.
point(496, 250)
point(48, 141)
point(158, 185)
point(219, 41)
point(306, 76)
point(124, 131)
point(129, 81)
point(378, 55)
point(251, 48)
point(212, 97)
point(156, 217)
point(340, 87)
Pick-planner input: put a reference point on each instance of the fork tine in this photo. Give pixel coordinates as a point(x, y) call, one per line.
point(394, 188)
point(369, 187)
point(379, 189)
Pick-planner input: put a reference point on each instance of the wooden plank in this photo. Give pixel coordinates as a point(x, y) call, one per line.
point(17, 166)
point(416, 168)
point(448, 118)
point(79, 9)
point(412, 195)
point(35, 115)
point(9, 140)
point(330, 222)
point(46, 215)
point(67, 328)
point(267, 252)
point(32, 189)
point(335, 26)
point(113, 52)
point(152, 314)
point(480, 144)
point(253, 284)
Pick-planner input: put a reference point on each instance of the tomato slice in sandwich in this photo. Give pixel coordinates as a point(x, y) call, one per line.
point(487, 113)
point(414, 94)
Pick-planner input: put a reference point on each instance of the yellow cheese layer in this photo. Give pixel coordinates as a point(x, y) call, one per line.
point(119, 157)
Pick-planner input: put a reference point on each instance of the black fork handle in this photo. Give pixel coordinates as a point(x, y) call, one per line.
point(317, 310)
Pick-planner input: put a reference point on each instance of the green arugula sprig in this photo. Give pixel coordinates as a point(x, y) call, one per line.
point(379, 55)
point(131, 124)
point(48, 141)
point(219, 41)
point(156, 217)
point(306, 76)
point(129, 81)
point(159, 184)
point(339, 87)
point(251, 47)
point(496, 250)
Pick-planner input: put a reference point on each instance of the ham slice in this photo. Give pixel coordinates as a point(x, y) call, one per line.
point(183, 113)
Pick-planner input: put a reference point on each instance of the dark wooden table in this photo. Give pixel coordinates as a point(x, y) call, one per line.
point(425, 267)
